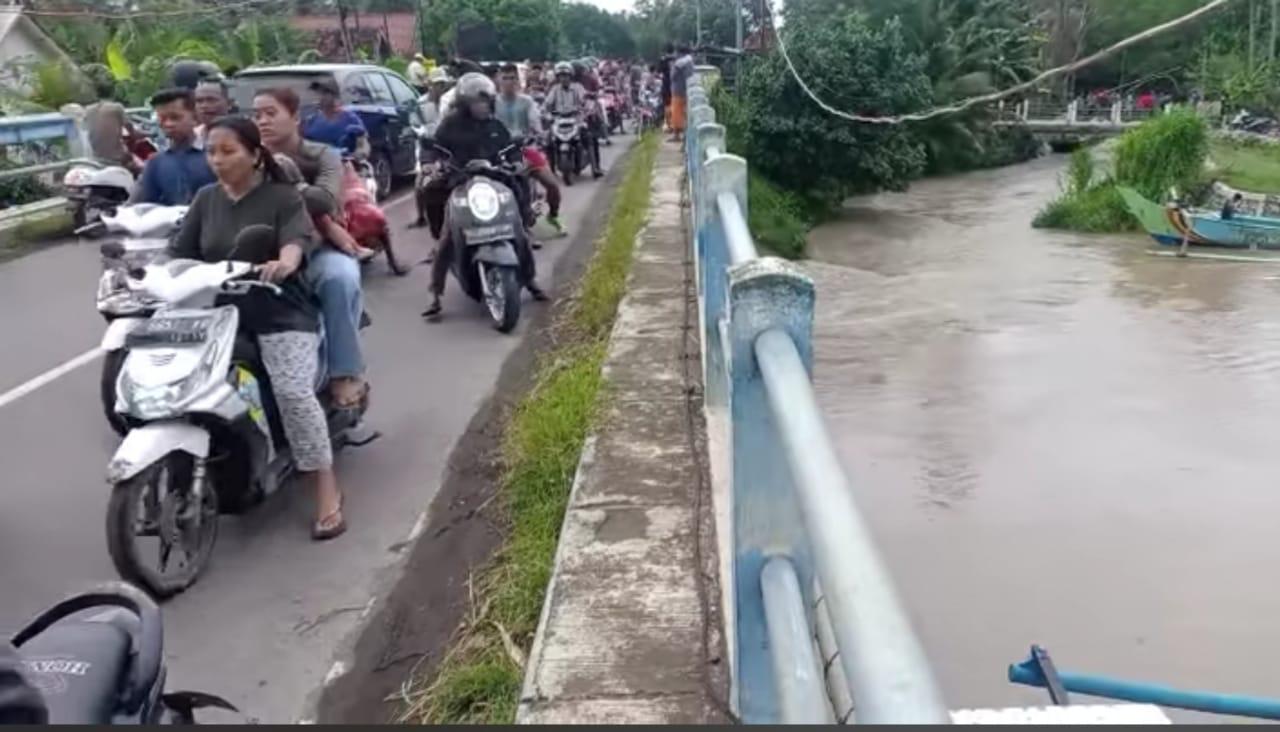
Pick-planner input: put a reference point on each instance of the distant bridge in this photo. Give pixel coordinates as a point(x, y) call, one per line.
point(1067, 122)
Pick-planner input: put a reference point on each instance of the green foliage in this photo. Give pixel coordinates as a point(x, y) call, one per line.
point(1098, 210)
point(1247, 165)
point(1080, 171)
point(492, 29)
point(853, 66)
point(19, 191)
point(779, 219)
point(1165, 152)
point(398, 65)
point(588, 30)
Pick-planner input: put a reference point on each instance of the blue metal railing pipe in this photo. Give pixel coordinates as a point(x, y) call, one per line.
point(802, 698)
point(890, 677)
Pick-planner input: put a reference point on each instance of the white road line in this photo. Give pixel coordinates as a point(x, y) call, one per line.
point(88, 356)
point(49, 376)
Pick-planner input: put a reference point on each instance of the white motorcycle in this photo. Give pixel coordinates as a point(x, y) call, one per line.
point(205, 434)
point(93, 190)
point(143, 233)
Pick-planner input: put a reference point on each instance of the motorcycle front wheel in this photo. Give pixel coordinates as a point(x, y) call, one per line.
point(566, 166)
point(501, 295)
point(112, 362)
point(154, 515)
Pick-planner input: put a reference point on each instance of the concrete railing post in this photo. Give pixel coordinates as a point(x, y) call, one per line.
point(1117, 112)
point(721, 174)
point(1072, 112)
point(764, 294)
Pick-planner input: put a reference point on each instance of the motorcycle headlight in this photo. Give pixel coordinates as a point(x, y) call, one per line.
point(482, 199)
point(165, 400)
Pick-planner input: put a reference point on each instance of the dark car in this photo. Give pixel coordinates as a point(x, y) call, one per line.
point(386, 103)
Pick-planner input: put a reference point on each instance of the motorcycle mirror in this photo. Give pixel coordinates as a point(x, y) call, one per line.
point(254, 243)
point(111, 250)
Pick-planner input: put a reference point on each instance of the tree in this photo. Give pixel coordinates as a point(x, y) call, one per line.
point(588, 30)
point(493, 29)
point(854, 65)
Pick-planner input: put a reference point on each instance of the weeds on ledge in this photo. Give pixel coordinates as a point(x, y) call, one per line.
point(478, 680)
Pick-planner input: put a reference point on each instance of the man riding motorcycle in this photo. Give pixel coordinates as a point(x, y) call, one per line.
point(568, 97)
point(521, 116)
point(470, 132)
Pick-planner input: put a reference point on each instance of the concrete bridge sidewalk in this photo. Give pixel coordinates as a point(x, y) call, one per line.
point(630, 630)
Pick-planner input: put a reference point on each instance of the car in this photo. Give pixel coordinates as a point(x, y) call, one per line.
point(383, 99)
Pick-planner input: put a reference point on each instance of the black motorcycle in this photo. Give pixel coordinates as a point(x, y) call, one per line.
point(487, 218)
point(98, 658)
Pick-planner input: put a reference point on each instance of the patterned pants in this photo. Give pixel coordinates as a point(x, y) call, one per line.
point(291, 360)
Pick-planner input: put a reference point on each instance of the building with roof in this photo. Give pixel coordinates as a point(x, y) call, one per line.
point(24, 44)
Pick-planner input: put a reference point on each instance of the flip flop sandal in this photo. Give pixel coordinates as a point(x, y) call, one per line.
point(323, 530)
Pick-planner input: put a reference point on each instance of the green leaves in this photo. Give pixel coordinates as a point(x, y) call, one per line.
point(121, 69)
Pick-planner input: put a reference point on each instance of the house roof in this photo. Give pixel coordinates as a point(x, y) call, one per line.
point(402, 26)
point(12, 20)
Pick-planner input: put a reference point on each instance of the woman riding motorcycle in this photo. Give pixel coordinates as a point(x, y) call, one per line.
point(250, 192)
point(470, 132)
point(333, 270)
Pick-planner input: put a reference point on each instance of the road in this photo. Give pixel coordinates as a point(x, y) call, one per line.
point(261, 627)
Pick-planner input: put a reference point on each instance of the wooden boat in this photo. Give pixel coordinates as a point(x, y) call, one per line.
point(1170, 225)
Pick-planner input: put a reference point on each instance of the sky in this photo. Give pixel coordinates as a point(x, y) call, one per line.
point(612, 6)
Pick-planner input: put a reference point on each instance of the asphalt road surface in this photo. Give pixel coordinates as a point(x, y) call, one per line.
point(262, 625)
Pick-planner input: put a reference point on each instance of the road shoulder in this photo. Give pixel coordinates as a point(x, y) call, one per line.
point(413, 622)
point(629, 631)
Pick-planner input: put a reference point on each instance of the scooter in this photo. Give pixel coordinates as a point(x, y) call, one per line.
point(567, 149)
point(144, 231)
point(205, 435)
point(365, 221)
point(93, 189)
point(488, 231)
point(98, 658)
point(612, 105)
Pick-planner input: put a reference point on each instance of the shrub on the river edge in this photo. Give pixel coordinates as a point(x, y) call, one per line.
point(1163, 154)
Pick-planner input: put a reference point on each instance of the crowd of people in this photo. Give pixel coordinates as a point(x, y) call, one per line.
point(272, 164)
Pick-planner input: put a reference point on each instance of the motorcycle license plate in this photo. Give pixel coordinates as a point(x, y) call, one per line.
point(162, 330)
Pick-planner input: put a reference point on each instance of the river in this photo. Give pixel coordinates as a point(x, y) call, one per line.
point(1058, 439)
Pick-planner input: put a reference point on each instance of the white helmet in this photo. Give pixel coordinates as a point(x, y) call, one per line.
point(473, 87)
point(564, 67)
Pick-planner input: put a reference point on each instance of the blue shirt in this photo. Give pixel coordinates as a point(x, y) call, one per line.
point(173, 177)
point(331, 131)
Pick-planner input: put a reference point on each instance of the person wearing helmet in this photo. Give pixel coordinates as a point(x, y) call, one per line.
point(568, 97)
point(470, 132)
point(417, 73)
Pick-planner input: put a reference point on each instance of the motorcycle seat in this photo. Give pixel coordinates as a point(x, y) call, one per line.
point(80, 667)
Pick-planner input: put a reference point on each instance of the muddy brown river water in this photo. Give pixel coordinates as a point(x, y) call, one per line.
point(1058, 439)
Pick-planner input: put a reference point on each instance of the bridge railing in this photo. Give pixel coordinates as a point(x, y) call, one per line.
point(807, 579)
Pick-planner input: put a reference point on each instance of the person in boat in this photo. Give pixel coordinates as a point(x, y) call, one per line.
point(1231, 206)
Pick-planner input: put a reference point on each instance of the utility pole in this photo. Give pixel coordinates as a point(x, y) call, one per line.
point(738, 8)
point(697, 42)
point(1275, 30)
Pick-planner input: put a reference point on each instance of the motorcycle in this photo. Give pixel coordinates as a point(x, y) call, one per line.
point(144, 231)
point(569, 151)
point(205, 436)
point(488, 230)
point(365, 221)
point(98, 658)
point(650, 111)
point(93, 189)
point(612, 106)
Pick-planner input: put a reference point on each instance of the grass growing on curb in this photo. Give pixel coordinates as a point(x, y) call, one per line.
point(479, 679)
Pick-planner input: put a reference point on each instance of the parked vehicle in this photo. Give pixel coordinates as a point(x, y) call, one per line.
point(98, 658)
point(142, 232)
point(205, 436)
point(385, 102)
point(92, 190)
point(488, 228)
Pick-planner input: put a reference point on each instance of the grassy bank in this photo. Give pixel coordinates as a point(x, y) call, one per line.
point(1165, 153)
point(478, 680)
point(1246, 166)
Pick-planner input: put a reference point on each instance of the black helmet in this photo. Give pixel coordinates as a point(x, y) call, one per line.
point(186, 74)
